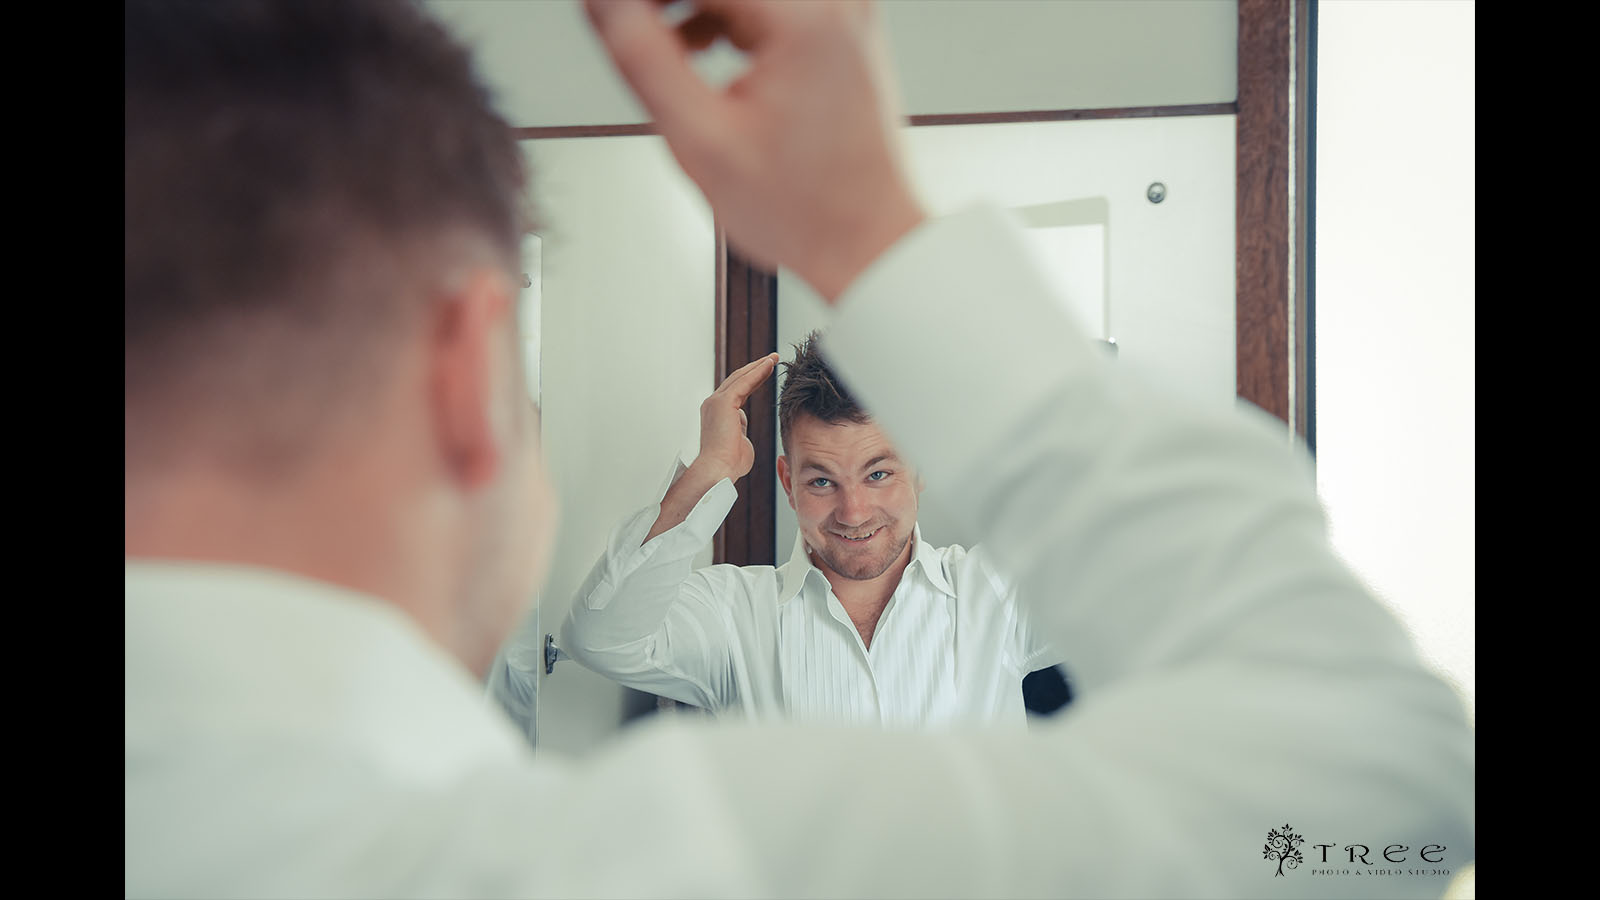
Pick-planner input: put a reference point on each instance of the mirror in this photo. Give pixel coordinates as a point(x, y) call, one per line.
point(621, 381)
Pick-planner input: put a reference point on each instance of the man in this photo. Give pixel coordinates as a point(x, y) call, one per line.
point(334, 511)
point(866, 624)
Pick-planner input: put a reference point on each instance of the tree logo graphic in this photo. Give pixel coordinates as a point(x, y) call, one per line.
point(1282, 845)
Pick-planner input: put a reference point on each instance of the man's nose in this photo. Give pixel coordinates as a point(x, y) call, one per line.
point(854, 508)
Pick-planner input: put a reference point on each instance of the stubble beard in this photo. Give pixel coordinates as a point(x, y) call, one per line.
point(861, 569)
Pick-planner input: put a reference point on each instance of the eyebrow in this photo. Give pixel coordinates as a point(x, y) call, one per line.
point(819, 467)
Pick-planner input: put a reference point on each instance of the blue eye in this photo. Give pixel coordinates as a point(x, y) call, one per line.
point(819, 482)
point(875, 475)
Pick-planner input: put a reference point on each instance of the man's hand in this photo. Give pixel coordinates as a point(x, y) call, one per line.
point(800, 155)
point(725, 448)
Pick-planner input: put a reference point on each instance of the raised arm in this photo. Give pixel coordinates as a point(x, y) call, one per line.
point(725, 448)
point(644, 617)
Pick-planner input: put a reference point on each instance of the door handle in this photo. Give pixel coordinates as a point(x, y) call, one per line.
point(552, 653)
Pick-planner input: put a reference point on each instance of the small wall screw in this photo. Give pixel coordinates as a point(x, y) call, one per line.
point(1157, 192)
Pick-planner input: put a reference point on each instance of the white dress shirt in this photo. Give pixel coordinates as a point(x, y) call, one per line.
point(289, 739)
point(951, 646)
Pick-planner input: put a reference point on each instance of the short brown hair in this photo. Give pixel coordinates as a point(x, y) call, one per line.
point(293, 168)
point(811, 388)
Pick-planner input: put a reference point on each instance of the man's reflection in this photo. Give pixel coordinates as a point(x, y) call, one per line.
point(866, 624)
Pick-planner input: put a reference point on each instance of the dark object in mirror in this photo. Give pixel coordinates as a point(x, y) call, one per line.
point(1046, 692)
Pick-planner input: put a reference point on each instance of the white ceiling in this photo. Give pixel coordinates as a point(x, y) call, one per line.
point(953, 56)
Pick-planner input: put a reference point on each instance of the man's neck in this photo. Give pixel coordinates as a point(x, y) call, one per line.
point(865, 600)
point(336, 533)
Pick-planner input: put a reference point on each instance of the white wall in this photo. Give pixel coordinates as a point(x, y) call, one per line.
point(952, 56)
point(1394, 318)
point(957, 56)
point(628, 285)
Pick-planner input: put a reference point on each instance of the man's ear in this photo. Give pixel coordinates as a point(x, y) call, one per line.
point(467, 355)
point(783, 478)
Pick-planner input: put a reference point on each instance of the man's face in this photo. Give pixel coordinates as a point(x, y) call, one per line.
point(856, 500)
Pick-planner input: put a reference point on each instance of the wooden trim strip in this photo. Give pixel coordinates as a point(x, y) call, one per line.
point(1064, 115)
point(749, 329)
point(990, 118)
point(582, 131)
point(1262, 214)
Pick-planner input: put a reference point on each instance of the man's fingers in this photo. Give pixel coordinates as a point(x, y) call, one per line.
point(701, 30)
point(654, 61)
point(741, 384)
point(744, 24)
point(745, 370)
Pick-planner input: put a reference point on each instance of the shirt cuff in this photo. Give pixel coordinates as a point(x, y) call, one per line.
point(703, 521)
point(627, 552)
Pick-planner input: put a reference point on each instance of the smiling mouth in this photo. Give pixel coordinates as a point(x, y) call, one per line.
point(856, 540)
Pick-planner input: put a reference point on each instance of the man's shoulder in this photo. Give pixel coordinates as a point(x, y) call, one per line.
point(968, 571)
point(959, 554)
point(953, 551)
point(736, 573)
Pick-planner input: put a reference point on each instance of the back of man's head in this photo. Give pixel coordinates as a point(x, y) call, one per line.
point(810, 388)
point(299, 174)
